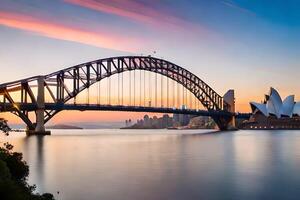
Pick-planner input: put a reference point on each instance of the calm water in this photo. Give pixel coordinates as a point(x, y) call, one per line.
point(162, 165)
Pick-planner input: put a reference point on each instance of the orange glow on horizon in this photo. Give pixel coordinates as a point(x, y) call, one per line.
point(103, 116)
point(99, 116)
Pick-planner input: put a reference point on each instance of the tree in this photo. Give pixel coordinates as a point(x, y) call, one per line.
point(14, 172)
point(4, 126)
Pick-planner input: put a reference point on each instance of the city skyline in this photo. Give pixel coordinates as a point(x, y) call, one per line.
point(231, 44)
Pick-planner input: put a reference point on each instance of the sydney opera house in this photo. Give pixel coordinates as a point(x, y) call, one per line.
point(274, 113)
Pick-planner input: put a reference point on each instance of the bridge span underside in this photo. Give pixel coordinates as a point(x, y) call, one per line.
point(160, 87)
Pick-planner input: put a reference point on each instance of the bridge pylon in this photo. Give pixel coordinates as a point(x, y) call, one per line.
point(40, 101)
point(227, 122)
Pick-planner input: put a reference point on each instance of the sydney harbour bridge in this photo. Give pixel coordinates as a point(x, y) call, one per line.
point(126, 83)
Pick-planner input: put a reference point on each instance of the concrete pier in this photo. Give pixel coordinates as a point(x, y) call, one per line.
point(229, 98)
point(34, 132)
point(40, 124)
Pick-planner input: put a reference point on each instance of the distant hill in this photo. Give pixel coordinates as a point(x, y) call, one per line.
point(63, 126)
point(81, 125)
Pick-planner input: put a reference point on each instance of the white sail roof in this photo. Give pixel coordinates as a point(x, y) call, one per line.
point(260, 107)
point(275, 106)
point(296, 110)
point(287, 106)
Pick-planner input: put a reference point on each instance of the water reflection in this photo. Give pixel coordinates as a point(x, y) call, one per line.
point(137, 164)
point(33, 151)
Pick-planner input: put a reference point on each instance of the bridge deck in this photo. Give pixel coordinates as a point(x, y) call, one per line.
point(95, 107)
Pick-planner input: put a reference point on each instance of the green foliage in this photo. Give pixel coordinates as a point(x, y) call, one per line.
point(4, 126)
point(13, 177)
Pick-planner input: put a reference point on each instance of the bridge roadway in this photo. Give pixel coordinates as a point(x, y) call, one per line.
point(26, 98)
point(96, 107)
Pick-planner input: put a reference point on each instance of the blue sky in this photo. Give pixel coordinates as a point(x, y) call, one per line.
point(241, 44)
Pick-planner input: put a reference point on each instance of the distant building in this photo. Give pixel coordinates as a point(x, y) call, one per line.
point(151, 123)
point(181, 119)
point(273, 113)
point(184, 119)
point(147, 120)
point(128, 123)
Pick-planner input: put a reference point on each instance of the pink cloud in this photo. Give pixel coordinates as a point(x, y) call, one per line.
point(135, 11)
point(63, 32)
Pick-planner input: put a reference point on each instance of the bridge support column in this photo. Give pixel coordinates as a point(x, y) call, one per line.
point(224, 123)
point(40, 124)
point(227, 122)
point(229, 99)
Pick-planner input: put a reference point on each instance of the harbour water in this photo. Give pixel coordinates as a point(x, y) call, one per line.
point(163, 164)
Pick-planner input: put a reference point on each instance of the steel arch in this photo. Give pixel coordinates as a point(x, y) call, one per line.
point(86, 74)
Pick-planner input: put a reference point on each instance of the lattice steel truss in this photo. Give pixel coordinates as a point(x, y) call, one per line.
point(66, 84)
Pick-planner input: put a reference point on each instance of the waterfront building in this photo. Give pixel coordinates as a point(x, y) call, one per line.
point(274, 113)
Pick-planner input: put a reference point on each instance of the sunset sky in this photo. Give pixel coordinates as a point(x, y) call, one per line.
point(245, 45)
